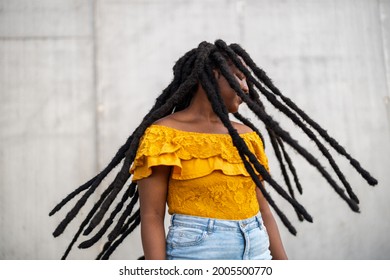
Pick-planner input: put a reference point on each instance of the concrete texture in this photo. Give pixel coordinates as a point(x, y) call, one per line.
point(76, 77)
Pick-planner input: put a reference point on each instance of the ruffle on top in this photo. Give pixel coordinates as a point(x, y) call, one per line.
point(193, 154)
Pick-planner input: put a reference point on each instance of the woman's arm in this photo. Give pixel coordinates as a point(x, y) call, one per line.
point(153, 196)
point(276, 245)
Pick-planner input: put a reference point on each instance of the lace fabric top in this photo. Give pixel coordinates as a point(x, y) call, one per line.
point(208, 177)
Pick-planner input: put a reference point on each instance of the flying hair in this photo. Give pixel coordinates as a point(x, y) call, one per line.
point(191, 70)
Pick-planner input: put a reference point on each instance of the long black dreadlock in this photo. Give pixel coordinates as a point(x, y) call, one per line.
point(194, 68)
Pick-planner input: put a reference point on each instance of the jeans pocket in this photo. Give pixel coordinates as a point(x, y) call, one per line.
point(179, 236)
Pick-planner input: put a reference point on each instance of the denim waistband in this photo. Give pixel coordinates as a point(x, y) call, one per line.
point(211, 224)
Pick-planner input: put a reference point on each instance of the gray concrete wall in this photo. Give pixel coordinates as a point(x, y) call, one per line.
point(76, 77)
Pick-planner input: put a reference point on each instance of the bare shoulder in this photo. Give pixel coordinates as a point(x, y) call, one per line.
point(166, 121)
point(184, 122)
point(174, 120)
point(241, 128)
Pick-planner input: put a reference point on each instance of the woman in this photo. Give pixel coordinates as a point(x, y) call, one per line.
point(209, 169)
point(157, 183)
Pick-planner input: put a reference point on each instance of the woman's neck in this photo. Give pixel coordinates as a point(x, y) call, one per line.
point(200, 108)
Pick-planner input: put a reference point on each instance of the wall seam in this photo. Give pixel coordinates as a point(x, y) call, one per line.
point(95, 80)
point(384, 49)
point(386, 58)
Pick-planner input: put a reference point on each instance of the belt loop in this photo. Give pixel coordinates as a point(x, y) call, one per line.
point(172, 218)
point(210, 226)
point(259, 220)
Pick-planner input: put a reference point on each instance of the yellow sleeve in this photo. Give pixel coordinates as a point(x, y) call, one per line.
point(155, 149)
point(258, 149)
point(256, 146)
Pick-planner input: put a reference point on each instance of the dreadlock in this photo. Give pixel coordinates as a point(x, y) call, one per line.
point(352, 200)
point(193, 69)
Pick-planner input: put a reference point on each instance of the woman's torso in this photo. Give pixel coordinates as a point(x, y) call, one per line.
point(208, 178)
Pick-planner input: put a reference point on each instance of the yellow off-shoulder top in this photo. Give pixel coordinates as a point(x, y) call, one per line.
point(208, 177)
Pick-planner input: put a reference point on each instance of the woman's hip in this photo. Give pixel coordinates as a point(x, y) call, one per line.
point(191, 237)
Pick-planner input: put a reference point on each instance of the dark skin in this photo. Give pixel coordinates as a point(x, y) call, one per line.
point(197, 117)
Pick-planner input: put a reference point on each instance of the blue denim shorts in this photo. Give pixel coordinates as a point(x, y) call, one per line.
point(197, 238)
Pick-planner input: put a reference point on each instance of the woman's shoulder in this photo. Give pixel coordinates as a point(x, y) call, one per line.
point(241, 128)
point(176, 121)
point(171, 121)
